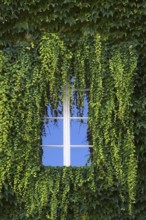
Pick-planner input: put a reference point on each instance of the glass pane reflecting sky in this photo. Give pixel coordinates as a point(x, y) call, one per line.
point(78, 132)
point(53, 133)
point(79, 156)
point(52, 156)
point(74, 110)
point(55, 112)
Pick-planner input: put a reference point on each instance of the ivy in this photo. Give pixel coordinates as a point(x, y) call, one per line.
point(32, 75)
point(34, 69)
point(119, 20)
point(51, 48)
point(111, 123)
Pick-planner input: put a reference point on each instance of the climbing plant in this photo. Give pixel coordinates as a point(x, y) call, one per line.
point(32, 75)
point(117, 19)
point(112, 124)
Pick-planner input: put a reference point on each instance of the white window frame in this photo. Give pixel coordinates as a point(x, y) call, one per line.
point(66, 127)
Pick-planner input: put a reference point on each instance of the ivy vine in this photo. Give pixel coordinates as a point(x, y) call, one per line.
point(32, 75)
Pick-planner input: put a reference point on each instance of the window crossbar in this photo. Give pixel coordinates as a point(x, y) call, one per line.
point(76, 146)
point(63, 117)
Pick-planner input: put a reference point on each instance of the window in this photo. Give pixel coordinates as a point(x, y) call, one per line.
point(65, 142)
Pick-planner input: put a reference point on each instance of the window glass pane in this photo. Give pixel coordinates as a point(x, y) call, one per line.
point(79, 132)
point(74, 110)
point(52, 156)
point(79, 156)
point(55, 112)
point(53, 133)
point(72, 80)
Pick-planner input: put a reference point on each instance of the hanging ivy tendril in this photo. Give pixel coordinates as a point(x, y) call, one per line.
point(55, 64)
point(113, 70)
point(33, 74)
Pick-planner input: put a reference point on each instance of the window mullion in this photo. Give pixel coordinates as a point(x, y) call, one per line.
point(66, 126)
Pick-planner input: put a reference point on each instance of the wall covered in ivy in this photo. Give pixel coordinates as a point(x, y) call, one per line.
point(102, 45)
point(32, 74)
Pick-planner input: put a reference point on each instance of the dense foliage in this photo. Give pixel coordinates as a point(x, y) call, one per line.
point(119, 19)
point(32, 74)
point(33, 69)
